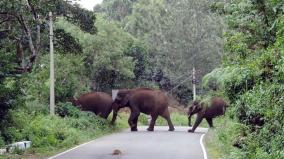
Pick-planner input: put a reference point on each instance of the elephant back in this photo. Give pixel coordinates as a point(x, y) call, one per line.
point(93, 100)
point(158, 97)
point(217, 107)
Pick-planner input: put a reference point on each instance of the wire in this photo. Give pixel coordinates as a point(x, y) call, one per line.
point(175, 80)
point(179, 84)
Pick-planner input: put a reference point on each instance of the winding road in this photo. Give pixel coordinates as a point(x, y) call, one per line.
point(160, 144)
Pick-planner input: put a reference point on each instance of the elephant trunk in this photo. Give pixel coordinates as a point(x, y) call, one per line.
point(189, 120)
point(114, 113)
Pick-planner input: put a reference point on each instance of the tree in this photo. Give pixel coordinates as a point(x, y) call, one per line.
point(106, 62)
point(24, 39)
point(115, 9)
point(180, 35)
point(23, 22)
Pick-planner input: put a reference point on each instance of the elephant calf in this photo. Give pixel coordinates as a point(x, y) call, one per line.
point(99, 103)
point(215, 107)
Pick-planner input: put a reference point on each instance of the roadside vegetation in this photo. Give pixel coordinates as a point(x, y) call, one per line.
point(237, 47)
point(251, 77)
point(121, 44)
point(53, 134)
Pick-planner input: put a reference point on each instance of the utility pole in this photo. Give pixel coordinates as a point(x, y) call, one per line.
point(52, 98)
point(194, 83)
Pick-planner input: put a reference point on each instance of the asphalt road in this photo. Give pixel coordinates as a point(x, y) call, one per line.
point(160, 144)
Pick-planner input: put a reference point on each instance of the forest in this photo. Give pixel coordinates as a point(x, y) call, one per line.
point(236, 46)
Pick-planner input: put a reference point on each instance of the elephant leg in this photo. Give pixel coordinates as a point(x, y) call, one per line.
point(210, 122)
point(102, 115)
point(132, 119)
point(197, 122)
point(105, 113)
point(167, 116)
point(114, 115)
point(152, 123)
point(135, 120)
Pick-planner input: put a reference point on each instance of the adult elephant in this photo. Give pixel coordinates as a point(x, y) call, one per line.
point(145, 100)
point(99, 103)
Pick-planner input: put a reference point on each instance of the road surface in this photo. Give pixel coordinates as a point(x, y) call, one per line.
point(160, 144)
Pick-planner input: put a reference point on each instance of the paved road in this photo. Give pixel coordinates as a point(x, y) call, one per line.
point(160, 144)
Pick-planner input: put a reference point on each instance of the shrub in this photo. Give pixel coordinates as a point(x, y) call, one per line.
point(232, 80)
point(220, 140)
point(49, 133)
point(261, 109)
point(67, 109)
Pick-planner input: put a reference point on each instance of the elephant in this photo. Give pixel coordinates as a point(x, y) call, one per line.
point(99, 103)
point(216, 107)
point(146, 100)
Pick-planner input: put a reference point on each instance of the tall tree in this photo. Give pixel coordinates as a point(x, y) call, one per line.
point(180, 35)
point(23, 22)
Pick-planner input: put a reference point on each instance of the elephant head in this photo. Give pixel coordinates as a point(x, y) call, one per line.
point(193, 109)
point(74, 101)
point(121, 100)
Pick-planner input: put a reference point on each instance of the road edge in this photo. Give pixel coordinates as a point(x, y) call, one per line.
point(52, 157)
point(203, 147)
point(83, 144)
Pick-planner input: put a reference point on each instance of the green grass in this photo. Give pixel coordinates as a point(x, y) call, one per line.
point(178, 119)
point(219, 140)
point(51, 135)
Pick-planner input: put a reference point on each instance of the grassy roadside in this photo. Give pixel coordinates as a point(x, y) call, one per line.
point(219, 140)
point(52, 135)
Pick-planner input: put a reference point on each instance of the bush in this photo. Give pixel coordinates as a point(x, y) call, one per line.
point(67, 109)
point(261, 109)
point(232, 80)
point(46, 131)
point(220, 140)
point(49, 133)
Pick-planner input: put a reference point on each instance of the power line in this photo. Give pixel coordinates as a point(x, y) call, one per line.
point(175, 80)
point(180, 84)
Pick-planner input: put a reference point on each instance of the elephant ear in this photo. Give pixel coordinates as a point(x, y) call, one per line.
point(203, 107)
point(197, 106)
point(125, 99)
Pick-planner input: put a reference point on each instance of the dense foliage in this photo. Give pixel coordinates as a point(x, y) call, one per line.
point(179, 34)
point(122, 44)
point(252, 76)
point(91, 54)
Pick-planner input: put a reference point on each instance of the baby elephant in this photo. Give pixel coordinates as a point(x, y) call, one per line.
point(215, 107)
